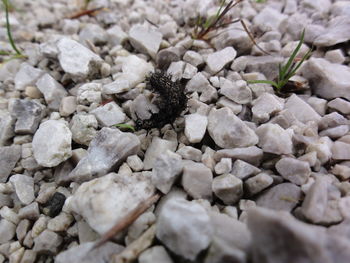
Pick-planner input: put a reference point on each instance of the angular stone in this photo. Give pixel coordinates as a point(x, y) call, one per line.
point(166, 168)
point(328, 80)
point(195, 127)
point(341, 151)
point(224, 166)
point(89, 93)
point(83, 128)
point(157, 147)
point(108, 149)
point(237, 91)
point(228, 131)
point(341, 105)
point(24, 187)
point(47, 241)
point(228, 188)
point(252, 155)
point(258, 183)
point(52, 143)
point(293, 170)
point(28, 113)
point(335, 132)
point(94, 200)
point(176, 70)
point(155, 254)
point(265, 106)
point(27, 76)
point(244, 170)
point(216, 61)
point(7, 230)
point(93, 33)
point(53, 91)
point(323, 148)
point(193, 58)
point(190, 153)
point(7, 125)
point(199, 83)
point(301, 110)
point(145, 39)
point(336, 32)
point(270, 19)
point(197, 180)
point(284, 197)
point(116, 35)
point(184, 227)
point(9, 156)
point(77, 60)
point(332, 120)
point(274, 139)
point(135, 163)
point(68, 106)
point(109, 114)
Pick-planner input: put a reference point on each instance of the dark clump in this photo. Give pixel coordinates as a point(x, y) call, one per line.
point(55, 204)
point(171, 100)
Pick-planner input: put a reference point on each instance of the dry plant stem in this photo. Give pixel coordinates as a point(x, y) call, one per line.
point(86, 12)
point(128, 219)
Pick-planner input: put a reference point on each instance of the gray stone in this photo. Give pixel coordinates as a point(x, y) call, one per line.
point(341, 105)
point(274, 139)
point(270, 19)
point(301, 110)
point(237, 91)
point(7, 230)
point(323, 148)
point(85, 254)
point(189, 71)
point(28, 114)
point(109, 114)
point(195, 127)
point(68, 106)
point(116, 35)
point(107, 151)
point(145, 39)
point(7, 127)
point(335, 56)
point(228, 188)
point(335, 32)
point(83, 128)
point(244, 170)
point(293, 170)
point(228, 131)
point(216, 61)
point(93, 33)
point(166, 56)
point(29, 256)
point(341, 171)
point(30, 212)
point(225, 102)
point(22, 229)
point(155, 254)
point(224, 166)
point(27, 76)
point(89, 93)
point(193, 58)
point(252, 155)
point(135, 163)
point(258, 183)
point(143, 108)
point(9, 156)
point(52, 90)
point(328, 80)
point(94, 200)
point(166, 168)
point(190, 153)
point(157, 147)
point(47, 241)
point(284, 197)
point(184, 227)
point(77, 60)
point(24, 187)
point(52, 143)
point(199, 83)
point(318, 104)
point(265, 106)
point(341, 151)
point(197, 180)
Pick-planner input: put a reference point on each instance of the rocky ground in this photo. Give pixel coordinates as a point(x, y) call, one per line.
point(244, 175)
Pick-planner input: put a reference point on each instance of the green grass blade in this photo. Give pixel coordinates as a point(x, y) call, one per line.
point(306, 56)
point(125, 126)
point(263, 82)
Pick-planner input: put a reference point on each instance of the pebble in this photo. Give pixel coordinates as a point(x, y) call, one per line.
point(60, 223)
point(301, 110)
point(55, 204)
point(228, 131)
point(30, 211)
point(22, 229)
point(190, 153)
point(216, 61)
point(199, 83)
point(224, 166)
point(258, 183)
point(47, 241)
point(135, 163)
point(24, 187)
point(155, 254)
point(244, 170)
point(193, 58)
point(49, 150)
point(293, 170)
point(89, 93)
point(157, 147)
point(33, 92)
point(341, 151)
point(237, 91)
point(6, 129)
point(93, 33)
point(7, 230)
point(190, 235)
point(83, 128)
point(265, 106)
point(252, 155)
point(68, 106)
point(270, 19)
point(228, 188)
point(195, 127)
point(109, 114)
point(9, 156)
point(341, 105)
point(108, 149)
point(27, 75)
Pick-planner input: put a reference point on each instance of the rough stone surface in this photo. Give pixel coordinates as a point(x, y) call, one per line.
point(47, 242)
point(109, 114)
point(52, 143)
point(252, 155)
point(26, 76)
point(217, 60)
point(9, 156)
point(244, 170)
point(7, 230)
point(195, 127)
point(265, 106)
point(83, 128)
point(301, 110)
point(228, 188)
point(293, 170)
point(237, 91)
point(24, 187)
point(157, 148)
point(258, 183)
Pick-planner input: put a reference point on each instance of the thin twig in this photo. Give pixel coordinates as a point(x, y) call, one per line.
point(127, 220)
point(86, 12)
point(252, 38)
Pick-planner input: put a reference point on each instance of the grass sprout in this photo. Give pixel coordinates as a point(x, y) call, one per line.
point(289, 69)
point(124, 126)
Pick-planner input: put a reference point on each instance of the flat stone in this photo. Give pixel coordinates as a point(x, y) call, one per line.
point(190, 235)
point(252, 155)
point(24, 187)
point(335, 132)
point(301, 110)
point(109, 114)
point(195, 127)
point(107, 151)
point(293, 170)
point(265, 106)
point(197, 180)
point(28, 114)
point(157, 147)
point(244, 170)
point(341, 151)
point(274, 139)
point(9, 156)
point(52, 143)
point(335, 32)
point(341, 105)
point(77, 60)
point(83, 128)
point(331, 120)
point(7, 230)
point(228, 188)
point(284, 197)
point(228, 131)
point(47, 241)
point(85, 254)
point(60, 223)
point(145, 39)
point(27, 75)
point(166, 168)
point(225, 102)
point(258, 183)
point(216, 61)
point(155, 254)
point(94, 200)
point(52, 90)
point(328, 80)
point(237, 91)
point(190, 153)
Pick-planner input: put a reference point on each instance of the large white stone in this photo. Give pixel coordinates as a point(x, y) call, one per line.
point(52, 143)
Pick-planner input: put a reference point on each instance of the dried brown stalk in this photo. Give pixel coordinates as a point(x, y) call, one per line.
point(86, 12)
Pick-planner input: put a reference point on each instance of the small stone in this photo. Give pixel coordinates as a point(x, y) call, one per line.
point(233, 106)
point(55, 204)
point(24, 187)
point(341, 171)
point(284, 197)
point(224, 166)
point(293, 170)
point(52, 90)
point(199, 83)
point(190, 235)
point(68, 106)
point(135, 163)
point(33, 92)
point(258, 183)
point(189, 72)
point(335, 132)
point(216, 61)
point(29, 256)
point(265, 106)
point(318, 104)
point(83, 128)
point(193, 58)
point(228, 188)
point(39, 226)
point(49, 150)
point(166, 168)
point(244, 170)
point(336, 32)
point(301, 110)
point(341, 151)
point(197, 180)
point(157, 148)
point(17, 255)
point(108, 149)
point(9, 156)
point(9, 214)
point(30, 211)
point(89, 93)
point(85, 232)
point(176, 70)
point(274, 139)
point(322, 147)
point(270, 19)
point(27, 76)
point(228, 131)
point(145, 39)
point(237, 91)
point(195, 127)
point(109, 114)
point(60, 223)
point(335, 56)
point(341, 105)
point(22, 229)
point(332, 120)
point(155, 254)
point(139, 226)
point(93, 33)
point(77, 60)
point(252, 155)
point(7, 231)
point(7, 124)
point(47, 241)
point(166, 56)
point(116, 35)
point(190, 153)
